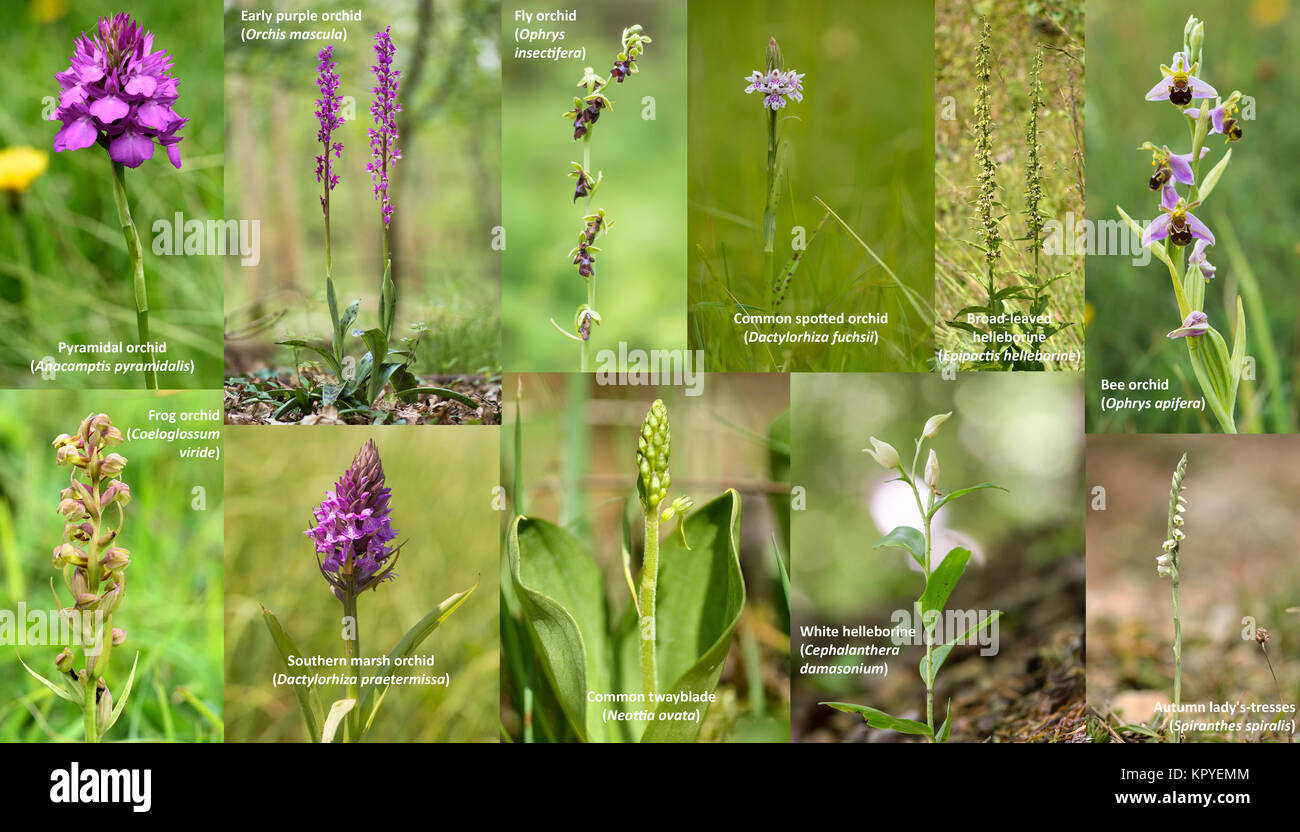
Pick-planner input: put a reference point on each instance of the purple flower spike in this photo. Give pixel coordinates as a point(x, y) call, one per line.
point(383, 136)
point(353, 531)
point(327, 114)
point(1177, 224)
point(1178, 85)
point(1196, 325)
point(777, 87)
point(118, 92)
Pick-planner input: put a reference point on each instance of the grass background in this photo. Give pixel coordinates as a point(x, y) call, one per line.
point(441, 483)
point(64, 269)
point(1248, 46)
point(859, 140)
point(640, 293)
point(1130, 618)
point(960, 270)
point(578, 469)
point(444, 188)
point(1021, 432)
point(172, 608)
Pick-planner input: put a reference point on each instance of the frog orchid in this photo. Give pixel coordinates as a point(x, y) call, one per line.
point(1179, 86)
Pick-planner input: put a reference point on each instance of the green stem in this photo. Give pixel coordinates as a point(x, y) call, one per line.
point(769, 212)
point(352, 651)
point(929, 641)
point(136, 253)
point(1178, 650)
point(89, 706)
point(649, 578)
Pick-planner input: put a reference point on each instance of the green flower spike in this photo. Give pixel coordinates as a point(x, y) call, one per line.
point(652, 452)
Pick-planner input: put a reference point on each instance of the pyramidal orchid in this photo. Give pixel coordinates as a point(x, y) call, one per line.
point(118, 93)
point(1218, 369)
point(352, 531)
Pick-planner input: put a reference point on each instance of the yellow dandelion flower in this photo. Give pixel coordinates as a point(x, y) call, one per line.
point(19, 167)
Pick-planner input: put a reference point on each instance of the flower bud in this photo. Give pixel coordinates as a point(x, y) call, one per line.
point(884, 453)
point(117, 491)
point(774, 58)
point(932, 471)
point(70, 454)
point(79, 584)
point(933, 424)
point(65, 660)
point(119, 636)
point(654, 448)
point(105, 707)
point(72, 509)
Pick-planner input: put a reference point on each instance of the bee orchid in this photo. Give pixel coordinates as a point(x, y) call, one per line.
point(1179, 86)
point(1176, 222)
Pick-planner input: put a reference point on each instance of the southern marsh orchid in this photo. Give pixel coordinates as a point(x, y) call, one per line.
point(353, 535)
point(585, 113)
point(1179, 86)
point(940, 574)
point(1218, 369)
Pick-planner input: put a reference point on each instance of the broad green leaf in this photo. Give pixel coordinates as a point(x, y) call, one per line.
point(880, 719)
point(941, 653)
point(334, 719)
point(561, 593)
point(906, 538)
point(372, 695)
point(444, 393)
point(308, 699)
point(58, 691)
point(121, 700)
point(324, 350)
point(1156, 249)
point(943, 580)
point(701, 593)
point(1212, 178)
point(960, 492)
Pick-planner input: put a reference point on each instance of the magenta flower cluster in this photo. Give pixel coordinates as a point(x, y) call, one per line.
point(327, 115)
point(383, 136)
point(353, 531)
point(118, 92)
point(777, 87)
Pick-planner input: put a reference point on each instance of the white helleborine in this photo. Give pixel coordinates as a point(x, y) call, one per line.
point(884, 453)
point(932, 471)
point(933, 424)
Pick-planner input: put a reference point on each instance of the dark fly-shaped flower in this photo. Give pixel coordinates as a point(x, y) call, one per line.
point(1178, 85)
point(1223, 119)
point(353, 532)
point(119, 92)
point(1170, 166)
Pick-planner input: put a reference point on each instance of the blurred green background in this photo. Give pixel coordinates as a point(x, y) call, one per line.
point(64, 270)
point(640, 294)
point(578, 469)
point(860, 140)
point(444, 188)
point(1238, 560)
point(1254, 211)
point(275, 479)
point(1018, 30)
point(1021, 432)
point(172, 608)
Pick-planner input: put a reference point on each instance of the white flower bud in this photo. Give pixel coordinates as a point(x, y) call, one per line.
point(884, 453)
point(933, 424)
point(932, 471)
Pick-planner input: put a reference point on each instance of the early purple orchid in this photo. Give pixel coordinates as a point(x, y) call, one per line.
point(1197, 258)
point(1175, 222)
point(119, 92)
point(327, 114)
point(1178, 85)
point(1223, 119)
point(776, 86)
point(1194, 326)
point(383, 136)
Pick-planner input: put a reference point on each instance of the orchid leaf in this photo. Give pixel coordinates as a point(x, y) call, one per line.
point(960, 492)
point(942, 736)
point(58, 691)
point(1212, 178)
point(940, 654)
point(879, 719)
point(308, 698)
point(334, 719)
point(120, 704)
point(943, 580)
point(701, 594)
point(906, 538)
point(372, 695)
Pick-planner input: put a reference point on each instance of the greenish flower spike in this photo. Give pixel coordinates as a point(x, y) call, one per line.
point(653, 449)
point(1169, 565)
